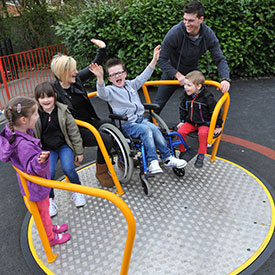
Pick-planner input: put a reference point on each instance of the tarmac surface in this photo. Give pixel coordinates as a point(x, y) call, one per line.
point(248, 139)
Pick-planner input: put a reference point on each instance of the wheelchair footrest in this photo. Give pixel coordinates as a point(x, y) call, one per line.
point(188, 155)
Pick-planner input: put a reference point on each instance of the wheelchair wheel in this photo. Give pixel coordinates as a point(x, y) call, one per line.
point(120, 154)
point(161, 123)
point(146, 185)
point(180, 172)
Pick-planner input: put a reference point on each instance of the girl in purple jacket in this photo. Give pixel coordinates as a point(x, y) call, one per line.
point(22, 150)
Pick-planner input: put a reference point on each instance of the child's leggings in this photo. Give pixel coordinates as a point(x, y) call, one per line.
point(187, 128)
point(43, 208)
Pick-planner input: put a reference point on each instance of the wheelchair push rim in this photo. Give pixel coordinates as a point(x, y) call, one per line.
point(122, 162)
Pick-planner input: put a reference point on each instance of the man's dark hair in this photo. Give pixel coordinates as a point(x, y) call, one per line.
point(113, 62)
point(195, 7)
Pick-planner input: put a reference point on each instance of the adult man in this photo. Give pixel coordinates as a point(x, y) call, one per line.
point(182, 47)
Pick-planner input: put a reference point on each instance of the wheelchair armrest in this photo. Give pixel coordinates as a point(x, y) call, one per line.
point(151, 106)
point(118, 117)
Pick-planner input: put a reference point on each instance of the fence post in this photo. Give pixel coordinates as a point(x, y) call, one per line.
point(4, 79)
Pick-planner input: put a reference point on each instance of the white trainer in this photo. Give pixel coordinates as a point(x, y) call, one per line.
point(78, 199)
point(173, 162)
point(52, 208)
point(154, 167)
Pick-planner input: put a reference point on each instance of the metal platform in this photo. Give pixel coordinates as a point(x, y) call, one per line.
point(214, 220)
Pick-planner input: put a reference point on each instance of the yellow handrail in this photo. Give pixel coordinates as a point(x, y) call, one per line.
point(92, 94)
point(224, 100)
point(84, 190)
point(104, 153)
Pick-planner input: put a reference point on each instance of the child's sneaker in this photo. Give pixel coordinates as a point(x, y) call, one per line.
point(154, 167)
point(78, 199)
point(60, 238)
point(199, 161)
point(52, 208)
point(60, 228)
point(173, 162)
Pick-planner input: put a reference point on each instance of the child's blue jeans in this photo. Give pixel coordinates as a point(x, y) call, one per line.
point(151, 137)
point(66, 156)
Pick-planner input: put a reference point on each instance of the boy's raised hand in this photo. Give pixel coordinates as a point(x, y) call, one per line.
point(154, 61)
point(97, 70)
point(99, 43)
point(157, 50)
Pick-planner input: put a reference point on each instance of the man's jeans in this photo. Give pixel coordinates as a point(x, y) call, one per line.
point(66, 156)
point(151, 137)
point(164, 93)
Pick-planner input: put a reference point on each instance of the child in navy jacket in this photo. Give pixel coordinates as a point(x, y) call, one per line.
point(196, 109)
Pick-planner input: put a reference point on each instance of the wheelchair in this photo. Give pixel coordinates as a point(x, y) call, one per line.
point(126, 149)
point(129, 152)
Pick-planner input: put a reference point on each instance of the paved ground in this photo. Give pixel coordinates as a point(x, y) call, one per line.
point(249, 139)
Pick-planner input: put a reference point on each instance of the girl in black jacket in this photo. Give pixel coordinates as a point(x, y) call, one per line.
point(196, 109)
point(70, 91)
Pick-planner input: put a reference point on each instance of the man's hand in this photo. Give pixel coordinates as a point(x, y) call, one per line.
point(180, 77)
point(225, 86)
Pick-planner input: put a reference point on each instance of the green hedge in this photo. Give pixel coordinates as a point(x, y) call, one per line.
point(133, 28)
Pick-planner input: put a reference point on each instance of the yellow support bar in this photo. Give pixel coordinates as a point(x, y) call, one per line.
point(32, 207)
point(103, 149)
point(92, 94)
point(224, 100)
point(104, 153)
point(91, 191)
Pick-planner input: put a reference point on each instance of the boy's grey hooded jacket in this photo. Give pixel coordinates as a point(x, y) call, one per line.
point(180, 53)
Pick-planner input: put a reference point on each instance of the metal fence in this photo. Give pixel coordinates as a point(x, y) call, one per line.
point(21, 72)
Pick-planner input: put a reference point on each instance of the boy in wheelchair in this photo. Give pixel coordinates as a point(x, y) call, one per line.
point(124, 100)
point(196, 109)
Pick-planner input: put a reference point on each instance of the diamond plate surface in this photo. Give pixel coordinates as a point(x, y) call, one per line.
point(211, 221)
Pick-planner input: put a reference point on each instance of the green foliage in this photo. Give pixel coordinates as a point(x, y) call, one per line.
point(31, 28)
point(245, 29)
point(132, 28)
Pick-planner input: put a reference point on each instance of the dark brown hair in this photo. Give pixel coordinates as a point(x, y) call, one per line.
point(113, 62)
point(195, 7)
point(44, 88)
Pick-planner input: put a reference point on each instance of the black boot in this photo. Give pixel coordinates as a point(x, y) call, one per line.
point(199, 161)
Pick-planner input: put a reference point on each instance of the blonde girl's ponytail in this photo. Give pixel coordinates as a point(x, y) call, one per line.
point(19, 106)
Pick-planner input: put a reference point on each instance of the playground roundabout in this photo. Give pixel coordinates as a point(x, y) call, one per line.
point(215, 220)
